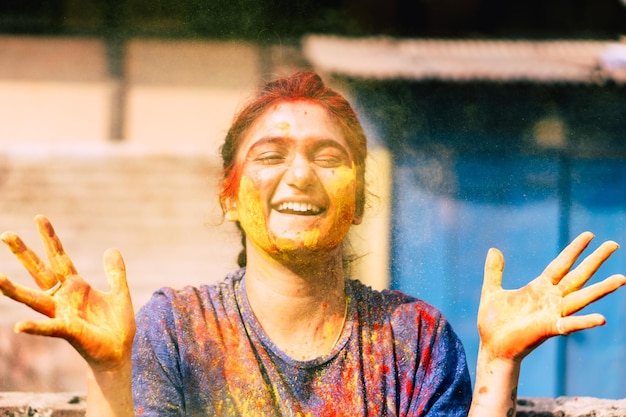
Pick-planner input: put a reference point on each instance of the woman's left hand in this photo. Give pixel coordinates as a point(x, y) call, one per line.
point(512, 323)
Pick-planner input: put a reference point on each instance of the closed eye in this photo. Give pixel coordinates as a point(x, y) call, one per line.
point(330, 157)
point(268, 151)
point(269, 158)
point(329, 161)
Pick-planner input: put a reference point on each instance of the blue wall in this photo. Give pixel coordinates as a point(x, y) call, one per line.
point(469, 176)
point(440, 242)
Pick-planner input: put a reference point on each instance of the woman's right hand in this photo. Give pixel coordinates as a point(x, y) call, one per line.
point(99, 325)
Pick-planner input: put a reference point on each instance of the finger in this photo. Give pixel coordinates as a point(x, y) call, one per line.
point(575, 279)
point(580, 299)
point(43, 276)
point(494, 266)
point(561, 265)
point(573, 324)
point(115, 271)
point(60, 262)
point(38, 301)
point(54, 328)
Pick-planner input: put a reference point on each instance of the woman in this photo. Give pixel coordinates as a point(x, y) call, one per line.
point(290, 334)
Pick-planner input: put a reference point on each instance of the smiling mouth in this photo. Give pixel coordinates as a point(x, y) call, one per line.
point(305, 209)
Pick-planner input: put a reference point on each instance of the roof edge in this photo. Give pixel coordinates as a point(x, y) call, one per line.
point(466, 60)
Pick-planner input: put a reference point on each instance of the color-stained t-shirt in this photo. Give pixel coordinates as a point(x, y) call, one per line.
point(200, 351)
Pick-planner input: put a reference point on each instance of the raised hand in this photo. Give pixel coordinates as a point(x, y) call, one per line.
point(512, 323)
point(99, 325)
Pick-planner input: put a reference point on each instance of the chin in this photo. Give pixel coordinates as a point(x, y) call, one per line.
point(300, 250)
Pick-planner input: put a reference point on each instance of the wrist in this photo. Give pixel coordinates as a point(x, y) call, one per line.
point(495, 391)
point(487, 356)
point(109, 391)
point(99, 371)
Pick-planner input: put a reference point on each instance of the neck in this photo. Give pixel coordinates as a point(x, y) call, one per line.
point(300, 307)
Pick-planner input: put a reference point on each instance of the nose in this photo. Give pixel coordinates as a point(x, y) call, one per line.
point(300, 173)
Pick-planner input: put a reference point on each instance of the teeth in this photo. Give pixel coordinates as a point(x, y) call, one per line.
point(298, 207)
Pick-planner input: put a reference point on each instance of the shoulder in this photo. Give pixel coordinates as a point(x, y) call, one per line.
point(406, 318)
point(169, 299)
point(392, 303)
point(404, 327)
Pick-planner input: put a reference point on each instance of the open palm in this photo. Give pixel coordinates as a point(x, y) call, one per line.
point(100, 325)
point(512, 323)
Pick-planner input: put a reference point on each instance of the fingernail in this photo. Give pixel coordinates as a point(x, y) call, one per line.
point(44, 225)
point(13, 242)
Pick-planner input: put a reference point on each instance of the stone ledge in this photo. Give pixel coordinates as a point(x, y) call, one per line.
point(570, 407)
point(70, 404)
point(66, 404)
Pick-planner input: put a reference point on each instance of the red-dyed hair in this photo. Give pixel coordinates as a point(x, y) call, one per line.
point(302, 85)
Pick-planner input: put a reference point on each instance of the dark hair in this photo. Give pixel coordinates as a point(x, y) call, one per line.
point(307, 86)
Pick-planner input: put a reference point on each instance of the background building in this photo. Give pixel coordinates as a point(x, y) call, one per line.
point(503, 134)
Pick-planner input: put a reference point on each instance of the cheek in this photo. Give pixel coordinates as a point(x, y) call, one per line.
point(251, 212)
point(343, 187)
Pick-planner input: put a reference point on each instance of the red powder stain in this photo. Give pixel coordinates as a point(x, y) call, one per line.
point(230, 185)
point(483, 390)
point(408, 386)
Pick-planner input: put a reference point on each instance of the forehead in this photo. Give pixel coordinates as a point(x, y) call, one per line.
point(297, 120)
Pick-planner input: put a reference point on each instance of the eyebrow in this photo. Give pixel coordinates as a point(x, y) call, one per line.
point(271, 139)
point(284, 140)
point(267, 140)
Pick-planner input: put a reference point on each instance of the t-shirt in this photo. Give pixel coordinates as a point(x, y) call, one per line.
point(199, 351)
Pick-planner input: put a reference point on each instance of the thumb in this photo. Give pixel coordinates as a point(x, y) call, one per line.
point(494, 266)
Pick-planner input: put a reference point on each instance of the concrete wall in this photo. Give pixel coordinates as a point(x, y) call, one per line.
point(150, 191)
point(152, 194)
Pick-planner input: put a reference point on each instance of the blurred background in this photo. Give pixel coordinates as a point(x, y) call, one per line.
point(490, 124)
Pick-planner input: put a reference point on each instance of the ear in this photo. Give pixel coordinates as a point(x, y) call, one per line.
point(230, 210)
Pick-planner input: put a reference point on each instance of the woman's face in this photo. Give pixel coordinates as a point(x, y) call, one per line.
point(298, 181)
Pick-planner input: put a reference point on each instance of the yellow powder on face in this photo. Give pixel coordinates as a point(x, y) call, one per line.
point(342, 188)
point(252, 218)
point(328, 234)
point(284, 127)
point(311, 238)
point(251, 213)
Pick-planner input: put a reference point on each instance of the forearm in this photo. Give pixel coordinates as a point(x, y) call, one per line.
point(495, 391)
point(109, 393)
